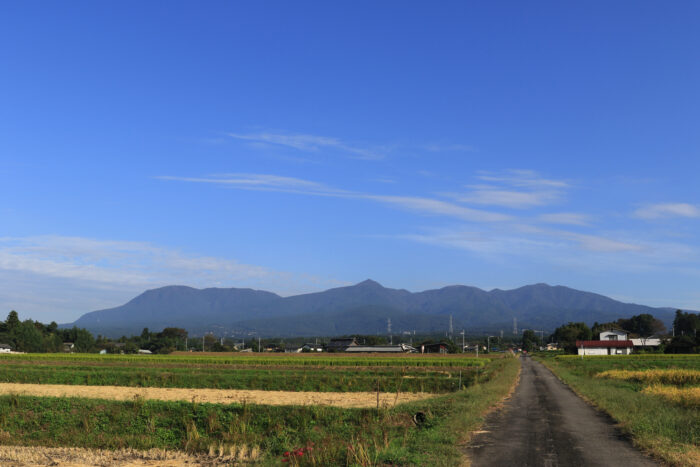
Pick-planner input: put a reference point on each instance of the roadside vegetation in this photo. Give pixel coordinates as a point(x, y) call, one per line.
point(653, 397)
point(304, 435)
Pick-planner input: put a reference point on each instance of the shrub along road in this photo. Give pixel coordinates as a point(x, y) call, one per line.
point(546, 424)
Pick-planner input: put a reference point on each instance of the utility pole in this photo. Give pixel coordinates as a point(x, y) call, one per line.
point(388, 331)
point(259, 349)
point(462, 333)
point(515, 326)
point(451, 330)
point(203, 341)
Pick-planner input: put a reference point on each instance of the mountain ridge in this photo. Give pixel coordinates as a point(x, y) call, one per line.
point(362, 308)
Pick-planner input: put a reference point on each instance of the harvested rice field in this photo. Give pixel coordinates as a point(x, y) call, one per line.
point(229, 410)
point(214, 396)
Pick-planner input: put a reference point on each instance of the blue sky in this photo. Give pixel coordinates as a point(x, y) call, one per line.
point(296, 146)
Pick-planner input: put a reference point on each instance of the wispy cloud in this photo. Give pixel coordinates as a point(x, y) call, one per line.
point(305, 142)
point(515, 189)
point(123, 269)
point(495, 196)
point(666, 210)
point(565, 218)
point(268, 182)
point(523, 178)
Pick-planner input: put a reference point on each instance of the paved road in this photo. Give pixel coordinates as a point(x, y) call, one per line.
point(546, 424)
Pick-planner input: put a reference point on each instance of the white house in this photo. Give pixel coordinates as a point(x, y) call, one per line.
point(4, 348)
point(613, 335)
point(604, 347)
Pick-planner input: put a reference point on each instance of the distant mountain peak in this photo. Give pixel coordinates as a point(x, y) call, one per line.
point(369, 283)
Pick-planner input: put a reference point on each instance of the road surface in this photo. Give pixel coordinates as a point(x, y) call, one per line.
point(546, 424)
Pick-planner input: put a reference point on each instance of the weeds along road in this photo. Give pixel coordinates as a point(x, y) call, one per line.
point(546, 424)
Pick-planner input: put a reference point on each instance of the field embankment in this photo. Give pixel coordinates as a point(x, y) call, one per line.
point(651, 396)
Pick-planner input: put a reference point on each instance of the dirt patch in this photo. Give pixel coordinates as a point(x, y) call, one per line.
point(215, 396)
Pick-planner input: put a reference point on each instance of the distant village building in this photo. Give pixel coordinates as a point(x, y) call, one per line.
point(145, 352)
point(401, 348)
point(601, 347)
point(613, 342)
point(613, 335)
point(5, 348)
point(552, 346)
point(68, 347)
point(434, 348)
point(341, 344)
point(292, 348)
point(651, 341)
point(312, 348)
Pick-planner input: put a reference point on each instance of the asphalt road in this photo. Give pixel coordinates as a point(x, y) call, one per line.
point(546, 424)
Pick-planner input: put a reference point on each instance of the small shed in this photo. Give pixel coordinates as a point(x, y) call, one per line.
point(5, 348)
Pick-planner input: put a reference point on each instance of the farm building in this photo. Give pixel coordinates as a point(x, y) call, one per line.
point(647, 341)
point(68, 347)
point(401, 348)
point(341, 344)
point(4, 348)
point(433, 348)
point(312, 348)
point(552, 346)
point(604, 347)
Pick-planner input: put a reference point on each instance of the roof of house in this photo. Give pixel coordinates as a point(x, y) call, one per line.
point(606, 344)
point(5, 346)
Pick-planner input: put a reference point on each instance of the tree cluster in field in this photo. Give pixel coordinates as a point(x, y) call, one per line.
point(33, 336)
point(685, 329)
point(684, 338)
point(166, 341)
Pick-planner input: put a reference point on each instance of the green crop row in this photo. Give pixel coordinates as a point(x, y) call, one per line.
point(347, 380)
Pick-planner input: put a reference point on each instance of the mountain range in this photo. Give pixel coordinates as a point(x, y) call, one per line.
point(363, 308)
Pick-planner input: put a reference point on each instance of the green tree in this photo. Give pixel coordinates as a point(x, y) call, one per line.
point(28, 338)
point(530, 341)
point(12, 322)
point(568, 334)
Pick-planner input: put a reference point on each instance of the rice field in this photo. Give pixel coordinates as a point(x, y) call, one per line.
point(212, 409)
point(655, 376)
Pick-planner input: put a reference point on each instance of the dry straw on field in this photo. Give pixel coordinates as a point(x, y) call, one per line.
point(687, 397)
point(71, 457)
point(215, 396)
point(675, 377)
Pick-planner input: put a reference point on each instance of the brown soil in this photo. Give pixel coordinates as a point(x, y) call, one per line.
point(215, 396)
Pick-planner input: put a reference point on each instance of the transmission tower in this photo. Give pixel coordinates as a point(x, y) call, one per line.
point(388, 330)
point(515, 326)
point(451, 329)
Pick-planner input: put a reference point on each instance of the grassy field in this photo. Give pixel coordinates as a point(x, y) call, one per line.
point(653, 397)
point(311, 435)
